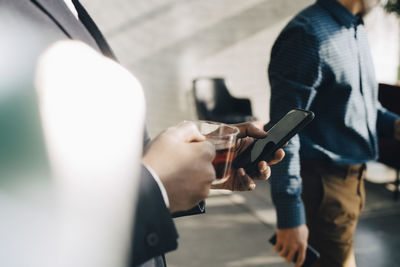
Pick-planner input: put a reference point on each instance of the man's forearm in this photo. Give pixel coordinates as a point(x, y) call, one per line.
point(286, 187)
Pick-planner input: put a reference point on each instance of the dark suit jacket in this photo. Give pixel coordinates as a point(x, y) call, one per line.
point(155, 232)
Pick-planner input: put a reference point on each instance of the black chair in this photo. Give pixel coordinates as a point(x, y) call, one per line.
point(389, 148)
point(215, 103)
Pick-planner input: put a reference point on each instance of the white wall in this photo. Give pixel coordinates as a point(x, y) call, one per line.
point(167, 43)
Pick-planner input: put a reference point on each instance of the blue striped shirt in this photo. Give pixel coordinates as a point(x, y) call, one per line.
point(321, 61)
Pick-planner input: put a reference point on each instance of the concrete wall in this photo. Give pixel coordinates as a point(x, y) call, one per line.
point(167, 43)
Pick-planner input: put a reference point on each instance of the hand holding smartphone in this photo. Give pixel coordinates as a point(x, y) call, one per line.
point(264, 149)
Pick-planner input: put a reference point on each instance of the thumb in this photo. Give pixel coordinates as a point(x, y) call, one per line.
point(249, 129)
point(188, 132)
point(204, 150)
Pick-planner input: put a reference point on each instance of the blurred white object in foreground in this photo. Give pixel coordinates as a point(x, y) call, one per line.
point(69, 152)
point(28, 224)
point(92, 112)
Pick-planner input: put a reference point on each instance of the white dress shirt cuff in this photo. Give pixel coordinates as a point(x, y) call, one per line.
point(160, 184)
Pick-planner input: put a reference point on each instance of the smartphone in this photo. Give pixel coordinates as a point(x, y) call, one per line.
point(263, 149)
point(311, 254)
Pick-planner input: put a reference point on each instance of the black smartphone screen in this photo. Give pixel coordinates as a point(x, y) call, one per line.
point(281, 132)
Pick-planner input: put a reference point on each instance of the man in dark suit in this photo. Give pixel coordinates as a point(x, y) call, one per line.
point(162, 191)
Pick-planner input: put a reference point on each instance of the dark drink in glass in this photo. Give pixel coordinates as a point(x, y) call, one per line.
point(223, 162)
point(224, 138)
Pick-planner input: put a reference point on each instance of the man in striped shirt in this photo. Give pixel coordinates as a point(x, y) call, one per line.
point(321, 61)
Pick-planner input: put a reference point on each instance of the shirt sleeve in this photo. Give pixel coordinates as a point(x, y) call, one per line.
point(294, 74)
point(159, 183)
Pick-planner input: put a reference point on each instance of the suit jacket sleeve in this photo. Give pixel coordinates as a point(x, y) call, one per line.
point(154, 230)
point(198, 209)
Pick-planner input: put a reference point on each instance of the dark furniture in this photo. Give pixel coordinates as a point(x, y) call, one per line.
point(389, 148)
point(215, 103)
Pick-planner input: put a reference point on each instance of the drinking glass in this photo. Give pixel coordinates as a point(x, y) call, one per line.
point(224, 138)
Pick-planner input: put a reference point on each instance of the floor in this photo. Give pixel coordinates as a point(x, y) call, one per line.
point(235, 230)
point(378, 237)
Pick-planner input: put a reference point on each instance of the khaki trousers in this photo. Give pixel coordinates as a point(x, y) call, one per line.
point(334, 196)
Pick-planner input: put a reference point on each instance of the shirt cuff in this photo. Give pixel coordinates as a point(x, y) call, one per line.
point(290, 213)
point(159, 183)
point(386, 124)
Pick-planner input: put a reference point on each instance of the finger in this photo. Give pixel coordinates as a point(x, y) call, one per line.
point(301, 256)
point(278, 156)
point(187, 131)
point(284, 252)
point(264, 171)
point(205, 150)
point(290, 255)
point(241, 172)
point(204, 193)
point(244, 143)
point(243, 182)
point(249, 129)
point(209, 174)
point(278, 247)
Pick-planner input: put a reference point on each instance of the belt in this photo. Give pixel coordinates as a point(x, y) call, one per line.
point(341, 170)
